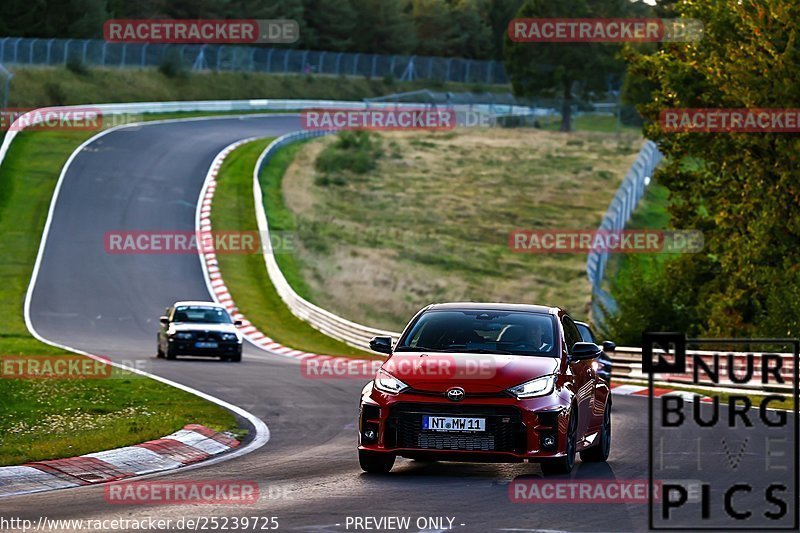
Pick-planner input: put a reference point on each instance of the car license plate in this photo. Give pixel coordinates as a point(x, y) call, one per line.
point(453, 423)
point(206, 345)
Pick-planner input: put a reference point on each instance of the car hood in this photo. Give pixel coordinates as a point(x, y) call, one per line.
point(187, 326)
point(476, 373)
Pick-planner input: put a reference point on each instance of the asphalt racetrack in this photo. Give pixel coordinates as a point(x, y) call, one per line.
point(149, 178)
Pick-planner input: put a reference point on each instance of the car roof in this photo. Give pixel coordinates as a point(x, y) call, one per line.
point(198, 303)
point(529, 308)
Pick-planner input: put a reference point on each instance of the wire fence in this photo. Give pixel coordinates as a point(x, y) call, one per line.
point(44, 52)
point(617, 215)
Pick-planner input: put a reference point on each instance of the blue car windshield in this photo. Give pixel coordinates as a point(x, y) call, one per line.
point(482, 331)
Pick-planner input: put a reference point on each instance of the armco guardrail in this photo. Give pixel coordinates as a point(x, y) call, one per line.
point(332, 325)
point(618, 214)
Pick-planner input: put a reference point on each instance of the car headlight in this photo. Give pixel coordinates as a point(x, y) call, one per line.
point(184, 335)
point(385, 382)
point(228, 336)
point(535, 387)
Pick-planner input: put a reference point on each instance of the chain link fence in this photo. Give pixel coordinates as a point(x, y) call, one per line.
point(24, 51)
point(615, 219)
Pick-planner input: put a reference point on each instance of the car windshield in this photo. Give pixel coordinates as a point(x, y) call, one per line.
point(201, 314)
point(482, 331)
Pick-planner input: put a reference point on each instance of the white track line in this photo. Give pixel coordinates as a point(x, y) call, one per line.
point(262, 433)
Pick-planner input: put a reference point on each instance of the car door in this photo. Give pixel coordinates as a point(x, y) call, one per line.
point(584, 378)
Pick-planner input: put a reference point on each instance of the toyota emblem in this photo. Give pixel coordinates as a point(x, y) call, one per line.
point(456, 394)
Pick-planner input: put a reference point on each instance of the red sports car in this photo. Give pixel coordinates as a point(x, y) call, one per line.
point(486, 383)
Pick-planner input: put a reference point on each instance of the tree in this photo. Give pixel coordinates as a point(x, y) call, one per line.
point(384, 27)
point(331, 25)
point(741, 189)
point(535, 68)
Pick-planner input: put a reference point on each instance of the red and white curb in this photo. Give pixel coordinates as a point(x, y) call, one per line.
point(214, 280)
point(191, 444)
point(621, 389)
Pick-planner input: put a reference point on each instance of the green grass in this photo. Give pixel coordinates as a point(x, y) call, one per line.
point(589, 122)
point(650, 213)
point(245, 274)
point(44, 86)
point(431, 221)
point(49, 418)
point(35, 415)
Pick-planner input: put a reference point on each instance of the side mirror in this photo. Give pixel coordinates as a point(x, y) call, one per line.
point(237, 323)
point(609, 347)
point(164, 320)
point(582, 351)
point(381, 344)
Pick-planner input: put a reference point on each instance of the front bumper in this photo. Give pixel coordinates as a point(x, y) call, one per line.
point(516, 430)
point(187, 347)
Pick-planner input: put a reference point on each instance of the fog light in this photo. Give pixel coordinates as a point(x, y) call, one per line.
point(369, 435)
point(549, 441)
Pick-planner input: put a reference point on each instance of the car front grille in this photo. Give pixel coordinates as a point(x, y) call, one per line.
point(504, 429)
point(206, 336)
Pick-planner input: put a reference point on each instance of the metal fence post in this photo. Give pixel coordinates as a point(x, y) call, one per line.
point(30, 51)
point(144, 54)
point(319, 66)
point(124, 52)
point(103, 54)
point(66, 50)
point(16, 48)
point(83, 53)
point(286, 61)
point(49, 47)
point(447, 76)
point(303, 61)
point(269, 59)
point(374, 64)
point(355, 64)
point(253, 58)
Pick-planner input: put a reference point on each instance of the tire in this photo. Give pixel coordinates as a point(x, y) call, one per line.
point(237, 358)
point(564, 465)
point(171, 355)
point(600, 451)
point(375, 462)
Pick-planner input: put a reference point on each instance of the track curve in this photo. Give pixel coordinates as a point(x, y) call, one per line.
point(150, 178)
